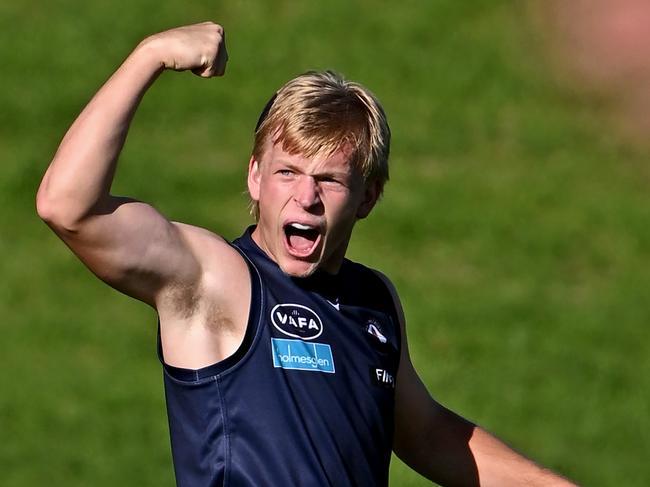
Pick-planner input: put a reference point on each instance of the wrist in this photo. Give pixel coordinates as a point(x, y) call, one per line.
point(149, 53)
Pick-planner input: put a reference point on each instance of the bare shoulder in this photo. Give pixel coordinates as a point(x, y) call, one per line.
point(224, 274)
point(209, 247)
point(204, 323)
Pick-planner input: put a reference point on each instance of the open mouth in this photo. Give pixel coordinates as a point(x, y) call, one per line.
point(301, 239)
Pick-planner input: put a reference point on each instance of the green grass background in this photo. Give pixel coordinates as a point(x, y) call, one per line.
point(515, 227)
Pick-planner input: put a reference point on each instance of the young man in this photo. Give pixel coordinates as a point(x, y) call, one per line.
point(284, 362)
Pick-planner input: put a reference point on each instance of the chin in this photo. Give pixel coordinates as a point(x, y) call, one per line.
point(299, 269)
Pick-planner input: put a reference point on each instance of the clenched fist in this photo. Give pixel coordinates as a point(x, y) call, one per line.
point(200, 48)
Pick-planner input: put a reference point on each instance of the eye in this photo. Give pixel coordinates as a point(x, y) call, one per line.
point(285, 172)
point(332, 182)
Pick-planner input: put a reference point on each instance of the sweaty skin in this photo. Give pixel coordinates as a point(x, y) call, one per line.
point(200, 286)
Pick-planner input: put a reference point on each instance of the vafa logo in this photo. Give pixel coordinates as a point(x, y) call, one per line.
point(296, 320)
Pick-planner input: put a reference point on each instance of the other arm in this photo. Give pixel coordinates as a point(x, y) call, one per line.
point(126, 243)
point(448, 449)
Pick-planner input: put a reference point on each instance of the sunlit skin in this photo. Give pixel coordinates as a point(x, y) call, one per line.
point(200, 285)
point(323, 192)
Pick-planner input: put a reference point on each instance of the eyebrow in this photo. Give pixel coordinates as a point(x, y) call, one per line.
point(326, 173)
point(333, 175)
point(318, 175)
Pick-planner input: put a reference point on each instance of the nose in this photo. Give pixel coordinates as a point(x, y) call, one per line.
point(306, 192)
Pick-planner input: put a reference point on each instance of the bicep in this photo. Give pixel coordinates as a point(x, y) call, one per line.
point(430, 438)
point(132, 247)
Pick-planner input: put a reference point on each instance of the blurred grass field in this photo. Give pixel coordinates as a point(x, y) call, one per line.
point(515, 227)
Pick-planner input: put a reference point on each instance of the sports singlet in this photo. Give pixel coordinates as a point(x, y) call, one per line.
point(308, 397)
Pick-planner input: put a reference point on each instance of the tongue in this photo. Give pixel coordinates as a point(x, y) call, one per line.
point(300, 242)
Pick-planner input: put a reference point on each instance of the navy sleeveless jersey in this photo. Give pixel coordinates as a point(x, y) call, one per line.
point(308, 397)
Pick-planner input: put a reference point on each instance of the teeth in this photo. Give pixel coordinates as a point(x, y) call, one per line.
point(300, 226)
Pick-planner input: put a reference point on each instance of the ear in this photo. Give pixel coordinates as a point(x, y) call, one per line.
point(254, 177)
point(371, 195)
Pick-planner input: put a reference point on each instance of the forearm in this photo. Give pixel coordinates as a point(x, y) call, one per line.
point(78, 179)
point(498, 465)
point(448, 449)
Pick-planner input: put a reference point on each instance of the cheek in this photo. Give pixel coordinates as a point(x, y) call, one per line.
point(270, 194)
point(342, 208)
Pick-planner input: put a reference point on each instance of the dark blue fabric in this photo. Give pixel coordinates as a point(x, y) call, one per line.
point(269, 416)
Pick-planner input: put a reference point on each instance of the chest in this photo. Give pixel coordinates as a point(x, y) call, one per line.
point(337, 337)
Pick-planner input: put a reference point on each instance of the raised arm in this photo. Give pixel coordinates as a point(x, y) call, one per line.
point(126, 243)
point(448, 449)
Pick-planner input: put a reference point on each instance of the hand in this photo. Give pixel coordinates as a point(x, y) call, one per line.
point(200, 48)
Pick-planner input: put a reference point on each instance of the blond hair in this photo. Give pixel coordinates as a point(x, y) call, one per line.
point(320, 113)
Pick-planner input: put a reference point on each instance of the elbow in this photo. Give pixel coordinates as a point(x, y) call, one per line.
point(44, 206)
point(54, 212)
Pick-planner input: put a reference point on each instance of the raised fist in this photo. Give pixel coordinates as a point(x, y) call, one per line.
point(200, 48)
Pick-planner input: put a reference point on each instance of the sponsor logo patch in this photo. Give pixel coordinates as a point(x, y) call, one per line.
point(296, 320)
point(299, 355)
point(381, 377)
point(374, 329)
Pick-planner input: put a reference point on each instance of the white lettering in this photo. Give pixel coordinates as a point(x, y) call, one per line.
point(296, 321)
point(301, 323)
point(303, 359)
point(384, 377)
